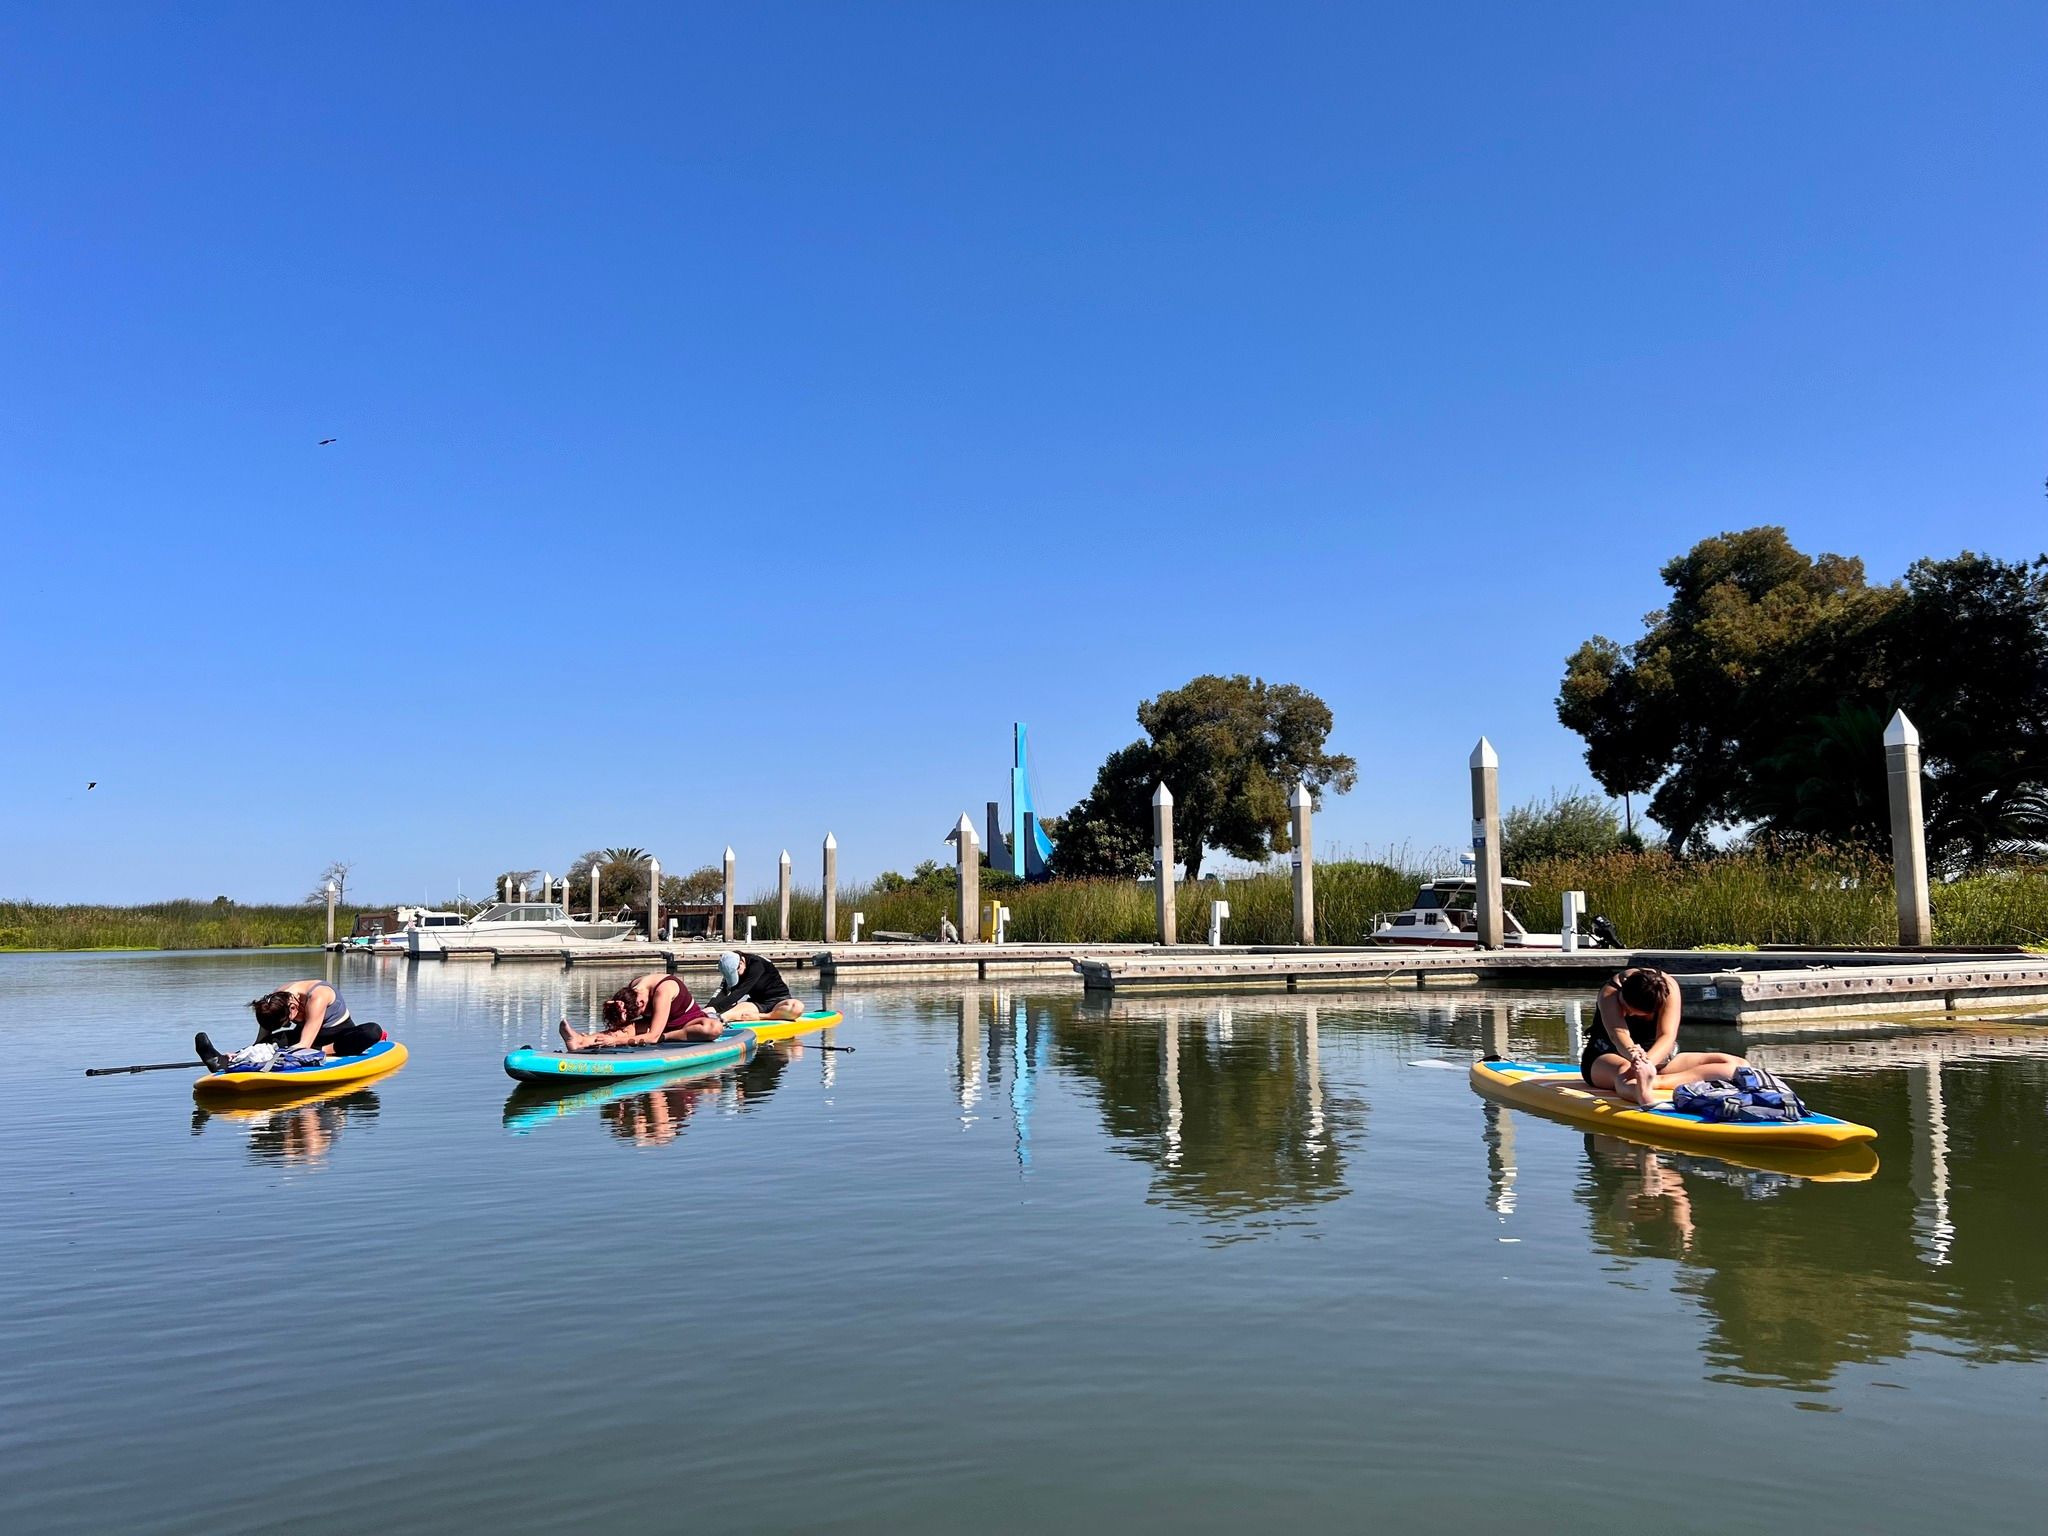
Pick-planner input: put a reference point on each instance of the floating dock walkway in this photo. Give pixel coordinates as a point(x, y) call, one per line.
point(1792, 989)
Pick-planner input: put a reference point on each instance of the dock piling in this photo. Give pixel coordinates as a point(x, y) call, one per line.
point(782, 900)
point(331, 894)
point(1486, 843)
point(1219, 914)
point(1162, 862)
point(653, 898)
point(595, 871)
point(725, 928)
point(1909, 830)
point(831, 889)
point(967, 879)
point(1302, 803)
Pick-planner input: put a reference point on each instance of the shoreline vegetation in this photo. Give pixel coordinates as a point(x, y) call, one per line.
point(1730, 900)
point(32, 926)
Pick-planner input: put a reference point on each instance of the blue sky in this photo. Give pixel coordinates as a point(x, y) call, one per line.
point(746, 412)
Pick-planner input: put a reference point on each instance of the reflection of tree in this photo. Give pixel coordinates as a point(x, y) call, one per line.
point(1245, 1134)
point(1798, 1278)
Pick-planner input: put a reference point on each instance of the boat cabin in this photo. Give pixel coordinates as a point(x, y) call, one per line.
point(1446, 910)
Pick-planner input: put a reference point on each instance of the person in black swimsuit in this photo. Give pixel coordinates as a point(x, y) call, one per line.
point(301, 1015)
point(754, 990)
point(1632, 1048)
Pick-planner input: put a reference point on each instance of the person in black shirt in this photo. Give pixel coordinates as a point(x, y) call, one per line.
point(1632, 1048)
point(753, 990)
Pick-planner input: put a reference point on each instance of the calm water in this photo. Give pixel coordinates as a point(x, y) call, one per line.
point(1018, 1261)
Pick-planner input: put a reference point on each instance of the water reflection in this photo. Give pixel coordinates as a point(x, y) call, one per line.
point(1799, 1274)
point(654, 1113)
point(1230, 1104)
point(300, 1132)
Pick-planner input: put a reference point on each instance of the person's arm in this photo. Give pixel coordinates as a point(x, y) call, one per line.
point(1615, 1024)
point(725, 997)
point(316, 1014)
point(1666, 1044)
point(657, 1014)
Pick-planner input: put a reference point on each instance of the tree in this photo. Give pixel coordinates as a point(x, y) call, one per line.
point(1230, 749)
point(336, 872)
point(1756, 640)
point(703, 884)
point(1758, 697)
point(1573, 825)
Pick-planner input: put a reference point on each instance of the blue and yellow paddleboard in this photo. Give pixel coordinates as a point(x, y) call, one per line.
point(528, 1065)
point(385, 1056)
point(1556, 1089)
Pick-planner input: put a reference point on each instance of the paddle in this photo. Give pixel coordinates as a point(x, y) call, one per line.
point(155, 1066)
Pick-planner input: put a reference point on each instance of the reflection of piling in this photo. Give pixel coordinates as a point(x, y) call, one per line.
point(1909, 832)
point(831, 888)
point(1162, 862)
point(1312, 1058)
point(1497, 1031)
point(1499, 1132)
point(1169, 1083)
point(969, 1064)
point(1934, 1230)
point(1486, 843)
point(1302, 803)
point(782, 900)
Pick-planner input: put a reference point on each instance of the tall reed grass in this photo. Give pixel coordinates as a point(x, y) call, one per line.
point(1654, 901)
point(164, 925)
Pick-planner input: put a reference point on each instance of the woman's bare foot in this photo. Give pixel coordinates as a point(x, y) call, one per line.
point(571, 1041)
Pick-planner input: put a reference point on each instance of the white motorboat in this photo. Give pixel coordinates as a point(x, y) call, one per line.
point(1444, 917)
point(512, 924)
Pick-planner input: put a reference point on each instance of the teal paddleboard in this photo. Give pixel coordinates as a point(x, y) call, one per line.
point(528, 1065)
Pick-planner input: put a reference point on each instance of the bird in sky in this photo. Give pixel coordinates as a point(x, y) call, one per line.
point(95, 784)
point(326, 440)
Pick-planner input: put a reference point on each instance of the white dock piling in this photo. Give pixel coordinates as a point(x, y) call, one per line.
point(967, 879)
point(725, 928)
point(1302, 803)
point(831, 888)
point(1162, 862)
point(1486, 843)
point(1909, 830)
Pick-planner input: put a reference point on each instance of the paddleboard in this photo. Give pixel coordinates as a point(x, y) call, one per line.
point(528, 1065)
point(385, 1056)
point(1556, 1089)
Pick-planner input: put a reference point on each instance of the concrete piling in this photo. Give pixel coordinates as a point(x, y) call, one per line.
point(782, 900)
point(1219, 914)
point(1302, 804)
point(595, 872)
point(831, 888)
point(1909, 830)
point(654, 898)
point(726, 927)
point(332, 893)
point(1486, 843)
point(967, 879)
point(1162, 862)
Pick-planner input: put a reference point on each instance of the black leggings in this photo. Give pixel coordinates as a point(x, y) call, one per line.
point(348, 1037)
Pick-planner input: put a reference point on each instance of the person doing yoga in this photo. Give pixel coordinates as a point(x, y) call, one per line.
point(1632, 1048)
point(648, 1010)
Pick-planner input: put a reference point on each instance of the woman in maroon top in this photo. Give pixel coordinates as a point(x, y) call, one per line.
point(649, 1010)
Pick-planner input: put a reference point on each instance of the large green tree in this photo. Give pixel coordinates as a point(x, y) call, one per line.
point(1757, 696)
point(1229, 748)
